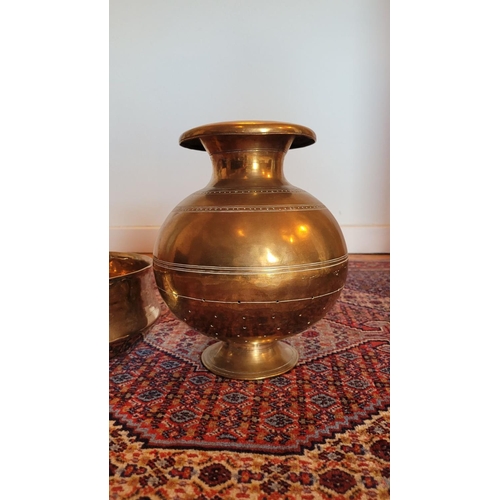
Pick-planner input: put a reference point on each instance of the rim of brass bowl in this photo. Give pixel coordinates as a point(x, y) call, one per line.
point(135, 263)
point(129, 266)
point(304, 136)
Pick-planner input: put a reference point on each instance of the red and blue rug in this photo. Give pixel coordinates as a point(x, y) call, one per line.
point(321, 431)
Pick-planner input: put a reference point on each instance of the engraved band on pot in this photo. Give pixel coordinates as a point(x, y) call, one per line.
point(245, 270)
point(299, 299)
point(250, 208)
point(211, 192)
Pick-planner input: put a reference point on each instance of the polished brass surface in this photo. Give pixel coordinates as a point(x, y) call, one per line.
point(259, 360)
point(249, 259)
point(303, 136)
point(133, 305)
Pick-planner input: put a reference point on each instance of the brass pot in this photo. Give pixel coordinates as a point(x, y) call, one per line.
point(250, 259)
point(133, 304)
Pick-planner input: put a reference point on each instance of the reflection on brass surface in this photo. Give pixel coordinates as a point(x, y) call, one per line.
point(250, 259)
point(133, 305)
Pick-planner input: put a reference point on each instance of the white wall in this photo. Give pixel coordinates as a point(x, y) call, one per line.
point(177, 64)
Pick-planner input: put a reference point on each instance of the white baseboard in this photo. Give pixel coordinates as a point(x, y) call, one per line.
point(367, 239)
point(359, 239)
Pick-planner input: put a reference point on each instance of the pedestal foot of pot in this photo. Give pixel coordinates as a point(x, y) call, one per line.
point(249, 361)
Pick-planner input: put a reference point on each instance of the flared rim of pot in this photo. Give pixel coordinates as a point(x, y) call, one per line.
point(304, 136)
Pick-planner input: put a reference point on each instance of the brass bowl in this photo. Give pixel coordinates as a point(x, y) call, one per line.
point(250, 260)
point(133, 304)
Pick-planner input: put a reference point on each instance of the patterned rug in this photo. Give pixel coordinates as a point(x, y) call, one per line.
point(321, 431)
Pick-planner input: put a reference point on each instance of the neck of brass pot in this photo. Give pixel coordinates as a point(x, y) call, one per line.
point(250, 158)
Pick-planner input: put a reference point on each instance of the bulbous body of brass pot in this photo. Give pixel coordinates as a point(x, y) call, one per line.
point(250, 259)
